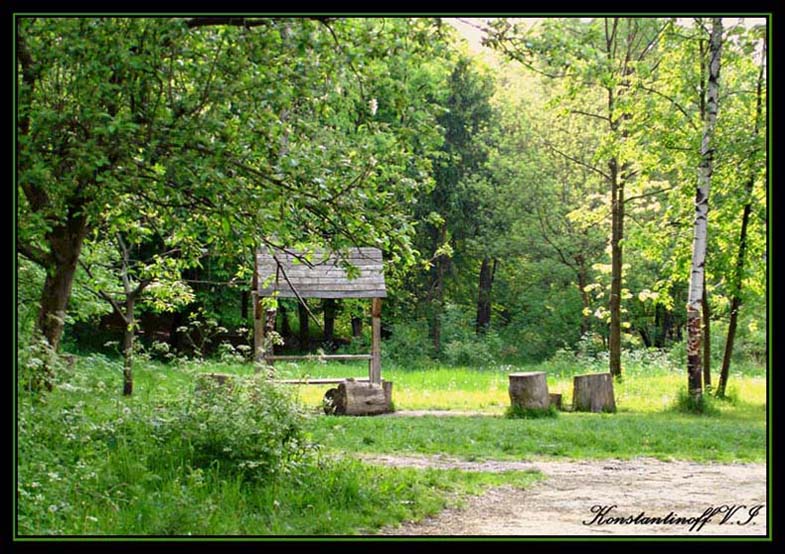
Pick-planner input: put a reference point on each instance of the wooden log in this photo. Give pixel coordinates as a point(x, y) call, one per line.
point(555, 400)
point(593, 393)
point(387, 387)
point(331, 403)
point(359, 398)
point(375, 366)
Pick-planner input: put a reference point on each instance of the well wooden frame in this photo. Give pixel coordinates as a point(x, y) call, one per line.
point(289, 274)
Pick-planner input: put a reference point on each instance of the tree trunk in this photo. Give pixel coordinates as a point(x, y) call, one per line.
point(174, 335)
point(738, 275)
point(583, 281)
point(437, 302)
point(725, 370)
point(329, 319)
point(302, 316)
point(701, 213)
point(244, 305)
point(128, 348)
point(258, 323)
point(357, 327)
point(286, 330)
point(65, 243)
point(375, 368)
point(663, 325)
point(617, 233)
point(706, 336)
point(487, 270)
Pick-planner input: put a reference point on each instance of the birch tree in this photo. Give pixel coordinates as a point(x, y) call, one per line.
point(695, 298)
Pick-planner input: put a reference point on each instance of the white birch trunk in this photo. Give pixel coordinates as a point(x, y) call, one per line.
point(701, 215)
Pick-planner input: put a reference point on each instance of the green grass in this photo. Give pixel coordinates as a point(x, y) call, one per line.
point(647, 387)
point(337, 498)
point(570, 436)
point(649, 421)
point(87, 465)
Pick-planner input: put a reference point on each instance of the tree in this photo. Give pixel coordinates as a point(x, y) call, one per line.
point(738, 271)
point(609, 61)
point(155, 279)
point(452, 212)
point(190, 113)
point(694, 301)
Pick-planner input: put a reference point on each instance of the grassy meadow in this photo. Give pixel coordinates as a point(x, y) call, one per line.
point(91, 462)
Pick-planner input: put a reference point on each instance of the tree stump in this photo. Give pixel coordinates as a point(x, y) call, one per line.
point(593, 393)
point(359, 398)
point(529, 391)
point(555, 400)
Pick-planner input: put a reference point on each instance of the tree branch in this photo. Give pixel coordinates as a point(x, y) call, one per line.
point(603, 117)
point(577, 161)
point(645, 194)
point(669, 99)
point(326, 23)
point(233, 21)
point(101, 294)
point(33, 253)
point(293, 288)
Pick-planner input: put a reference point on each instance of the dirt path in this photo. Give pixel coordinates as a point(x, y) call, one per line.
point(561, 503)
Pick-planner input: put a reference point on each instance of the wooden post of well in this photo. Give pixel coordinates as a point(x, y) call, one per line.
point(258, 322)
point(375, 373)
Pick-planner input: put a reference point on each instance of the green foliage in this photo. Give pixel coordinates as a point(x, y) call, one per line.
point(247, 427)
point(408, 344)
point(37, 363)
point(462, 345)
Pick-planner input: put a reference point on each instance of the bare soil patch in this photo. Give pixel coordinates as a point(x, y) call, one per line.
point(561, 503)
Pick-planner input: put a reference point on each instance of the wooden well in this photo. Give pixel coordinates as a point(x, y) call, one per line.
point(323, 274)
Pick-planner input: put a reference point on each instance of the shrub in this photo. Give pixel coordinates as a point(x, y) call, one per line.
point(479, 351)
point(408, 344)
point(462, 345)
point(247, 427)
point(39, 366)
point(687, 404)
point(516, 412)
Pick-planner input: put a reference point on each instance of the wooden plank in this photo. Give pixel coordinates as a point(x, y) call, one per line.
point(331, 284)
point(327, 278)
point(322, 357)
point(293, 265)
point(370, 272)
point(315, 278)
point(326, 381)
point(288, 293)
point(373, 256)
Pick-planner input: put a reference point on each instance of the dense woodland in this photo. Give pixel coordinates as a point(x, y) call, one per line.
point(538, 197)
